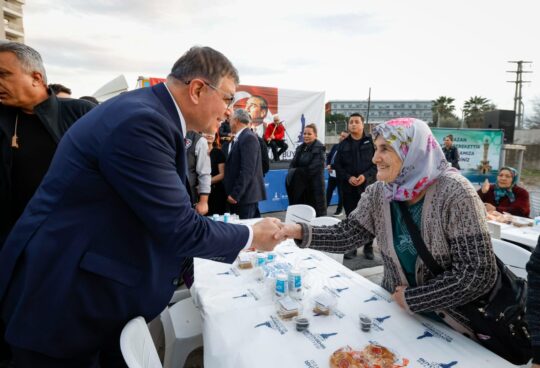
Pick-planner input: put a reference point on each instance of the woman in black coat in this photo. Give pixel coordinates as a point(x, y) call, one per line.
point(305, 180)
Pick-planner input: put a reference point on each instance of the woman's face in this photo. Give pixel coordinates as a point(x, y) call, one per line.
point(504, 179)
point(387, 160)
point(309, 135)
point(209, 138)
point(447, 142)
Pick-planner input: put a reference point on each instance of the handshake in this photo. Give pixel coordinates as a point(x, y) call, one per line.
point(270, 231)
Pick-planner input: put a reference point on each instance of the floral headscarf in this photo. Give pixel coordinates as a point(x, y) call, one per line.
point(423, 158)
point(506, 192)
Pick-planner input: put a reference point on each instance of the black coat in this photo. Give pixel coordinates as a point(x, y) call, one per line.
point(57, 115)
point(354, 158)
point(305, 180)
point(452, 156)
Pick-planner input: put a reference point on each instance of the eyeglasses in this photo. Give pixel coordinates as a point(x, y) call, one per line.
point(229, 101)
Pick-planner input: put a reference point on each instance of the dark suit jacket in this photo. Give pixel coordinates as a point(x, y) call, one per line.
point(104, 237)
point(243, 170)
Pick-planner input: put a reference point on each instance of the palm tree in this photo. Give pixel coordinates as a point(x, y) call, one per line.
point(474, 109)
point(441, 108)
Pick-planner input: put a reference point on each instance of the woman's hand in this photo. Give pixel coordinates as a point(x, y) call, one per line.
point(399, 296)
point(485, 186)
point(290, 231)
point(489, 207)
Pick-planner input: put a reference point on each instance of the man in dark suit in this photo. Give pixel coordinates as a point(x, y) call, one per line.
point(104, 238)
point(244, 182)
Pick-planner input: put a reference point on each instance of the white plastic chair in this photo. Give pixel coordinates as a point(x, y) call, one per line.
point(137, 346)
point(328, 221)
point(183, 332)
point(514, 257)
point(180, 294)
point(299, 213)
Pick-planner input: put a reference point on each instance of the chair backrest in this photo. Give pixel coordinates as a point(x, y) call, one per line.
point(299, 213)
point(137, 346)
point(324, 220)
point(534, 198)
point(514, 257)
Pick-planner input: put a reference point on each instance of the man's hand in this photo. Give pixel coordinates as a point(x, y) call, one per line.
point(329, 168)
point(485, 186)
point(360, 179)
point(231, 200)
point(353, 181)
point(266, 234)
point(201, 208)
point(399, 296)
point(535, 366)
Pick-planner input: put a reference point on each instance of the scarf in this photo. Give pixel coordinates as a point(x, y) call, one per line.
point(423, 160)
point(506, 192)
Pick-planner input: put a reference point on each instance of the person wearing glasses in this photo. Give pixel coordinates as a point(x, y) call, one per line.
point(111, 226)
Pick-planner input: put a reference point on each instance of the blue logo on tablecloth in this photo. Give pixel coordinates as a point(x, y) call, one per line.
point(318, 339)
point(335, 276)
point(336, 292)
point(432, 331)
point(378, 322)
point(428, 364)
point(231, 271)
point(240, 296)
point(275, 324)
point(378, 296)
point(311, 268)
point(340, 290)
point(311, 364)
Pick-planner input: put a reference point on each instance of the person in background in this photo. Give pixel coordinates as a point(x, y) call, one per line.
point(32, 122)
point(451, 152)
point(224, 132)
point(274, 136)
point(505, 195)
point(244, 181)
point(333, 180)
point(60, 90)
point(355, 169)
point(533, 303)
point(437, 197)
point(305, 180)
point(217, 202)
point(199, 170)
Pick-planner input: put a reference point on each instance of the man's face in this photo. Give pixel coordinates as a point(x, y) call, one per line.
point(343, 136)
point(356, 126)
point(213, 109)
point(15, 84)
point(253, 107)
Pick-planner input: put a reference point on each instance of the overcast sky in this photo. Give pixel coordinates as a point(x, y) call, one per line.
point(402, 49)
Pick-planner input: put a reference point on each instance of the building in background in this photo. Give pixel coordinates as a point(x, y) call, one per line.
point(383, 110)
point(11, 27)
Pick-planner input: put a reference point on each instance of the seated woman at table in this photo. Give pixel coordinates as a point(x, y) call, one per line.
point(505, 195)
point(411, 168)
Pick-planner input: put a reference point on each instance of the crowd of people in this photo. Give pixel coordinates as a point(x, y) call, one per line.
point(100, 220)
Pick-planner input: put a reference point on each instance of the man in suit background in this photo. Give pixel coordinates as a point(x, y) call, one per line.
point(104, 238)
point(244, 182)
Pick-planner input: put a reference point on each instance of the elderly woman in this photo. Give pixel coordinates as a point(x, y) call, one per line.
point(450, 151)
point(505, 195)
point(305, 180)
point(411, 168)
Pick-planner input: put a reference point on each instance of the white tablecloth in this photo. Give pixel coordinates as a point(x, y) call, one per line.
point(241, 327)
point(525, 235)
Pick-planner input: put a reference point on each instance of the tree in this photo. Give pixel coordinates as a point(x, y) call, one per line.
point(474, 109)
point(533, 122)
point(442, 108)
point(334, 123)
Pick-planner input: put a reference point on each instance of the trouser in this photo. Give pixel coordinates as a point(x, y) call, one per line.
point(351, 196)
point(274, 144)
point(333, 183)
point(246, 211)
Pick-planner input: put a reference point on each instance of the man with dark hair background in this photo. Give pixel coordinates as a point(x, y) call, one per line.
point(60, 90)
point(355, 168)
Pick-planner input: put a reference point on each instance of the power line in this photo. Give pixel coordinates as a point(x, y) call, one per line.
point(518, 104)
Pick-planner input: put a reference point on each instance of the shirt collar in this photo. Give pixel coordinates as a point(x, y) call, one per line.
point(239, 132)
point(182, 121)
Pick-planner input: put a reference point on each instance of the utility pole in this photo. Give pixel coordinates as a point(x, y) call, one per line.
point(518, 104)
point(368, 105)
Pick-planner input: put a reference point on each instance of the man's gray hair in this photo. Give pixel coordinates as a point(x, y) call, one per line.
point(242, 116)
point(29, 58)
point(206, 63)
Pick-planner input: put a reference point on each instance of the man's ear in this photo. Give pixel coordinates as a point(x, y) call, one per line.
point(195, 90)
point(37, 79)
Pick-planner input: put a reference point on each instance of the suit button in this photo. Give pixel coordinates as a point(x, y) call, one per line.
point(175, 281)
point(441, 314)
